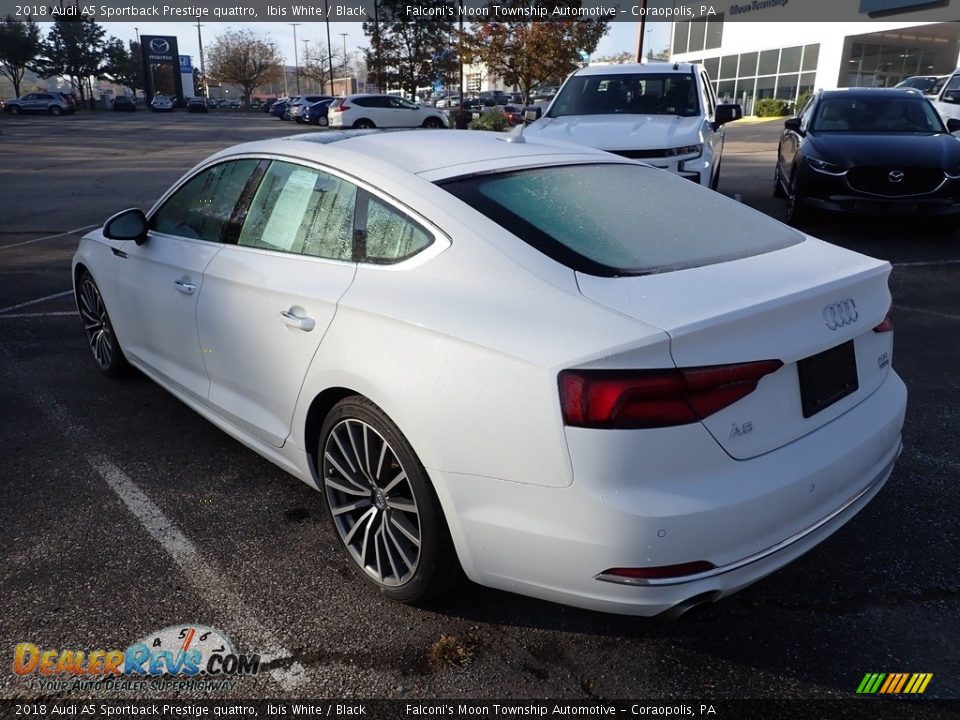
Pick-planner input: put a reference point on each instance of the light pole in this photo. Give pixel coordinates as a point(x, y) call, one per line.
point(344, 36)
point(326, 15)
point(306, 59)
point(296, 62)
point(203, 69)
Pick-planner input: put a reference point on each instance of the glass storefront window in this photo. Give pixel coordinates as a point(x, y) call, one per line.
point(790, 59)
point(807, 81)
point(698, 31)
point(728, 66)
point(714, 31)
point(681, 34)
point(811, 53)
point(787, 87)
point(765, 87)
point(725, 90)
point(768, 62)
point(712, 66)
point(748, 64)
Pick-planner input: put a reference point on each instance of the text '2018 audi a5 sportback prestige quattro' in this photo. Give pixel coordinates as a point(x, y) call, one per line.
point(569, 374)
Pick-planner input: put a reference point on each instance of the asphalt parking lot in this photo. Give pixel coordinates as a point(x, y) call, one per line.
point(124, 512)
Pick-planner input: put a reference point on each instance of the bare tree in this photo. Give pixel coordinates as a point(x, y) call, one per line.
point(243, 58)
point(316, 64)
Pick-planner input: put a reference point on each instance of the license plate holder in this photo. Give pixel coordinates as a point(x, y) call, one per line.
point(827, 377)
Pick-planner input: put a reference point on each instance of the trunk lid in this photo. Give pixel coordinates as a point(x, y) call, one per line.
point(775, 306)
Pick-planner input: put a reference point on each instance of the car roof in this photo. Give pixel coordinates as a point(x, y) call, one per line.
point(433, 154)
point(873, 92)
point(637, 68)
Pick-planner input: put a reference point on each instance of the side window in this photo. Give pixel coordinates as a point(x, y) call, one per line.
point(391, 236)
point(807, 114)
point(707, 97)
point(301, 210)
point(201, 208)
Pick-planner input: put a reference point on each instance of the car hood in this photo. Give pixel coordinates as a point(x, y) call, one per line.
point(620, 132)
point(886, 149)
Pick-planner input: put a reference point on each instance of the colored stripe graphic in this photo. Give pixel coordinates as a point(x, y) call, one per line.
point(894, 683)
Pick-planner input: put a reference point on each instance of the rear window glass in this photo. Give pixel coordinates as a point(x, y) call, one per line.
point(611, 220)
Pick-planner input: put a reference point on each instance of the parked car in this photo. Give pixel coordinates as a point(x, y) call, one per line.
point(213, 103)
point(39, 102)
point(316, 113)
point(280, 109)
point(231, 104)
point(449, 101)
point(947, 100)
point(122, 103)
point(72, 99)
point(299, 106)
point(513, 113)
point(666, 115)
point(267, 104)
point(197, 104)
point(161, 103)
point(625, 424)
point(369, 111)
point(926, 84)
point(870, 150)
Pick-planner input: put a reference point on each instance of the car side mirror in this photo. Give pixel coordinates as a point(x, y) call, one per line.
point(531, 114)
point(728, 112)
point(127, 225)
point(953, 125)
point(792, 124)
point(951, 96)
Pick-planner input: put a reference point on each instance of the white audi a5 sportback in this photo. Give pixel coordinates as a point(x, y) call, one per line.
point(569, 374)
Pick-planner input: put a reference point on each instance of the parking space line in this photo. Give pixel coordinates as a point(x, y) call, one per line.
point(63, 313)
point(926, 263)
point(923, 311)
point(204, 577)
point(49, 237)
point(38, 300)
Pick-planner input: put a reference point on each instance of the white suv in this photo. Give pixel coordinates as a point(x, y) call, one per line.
point(383, 111)
point(664, 114)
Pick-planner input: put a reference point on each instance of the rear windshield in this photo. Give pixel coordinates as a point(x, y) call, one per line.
point(621, 219)
point(643, 93)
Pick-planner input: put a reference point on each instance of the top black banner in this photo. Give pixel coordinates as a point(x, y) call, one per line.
point(631, 11)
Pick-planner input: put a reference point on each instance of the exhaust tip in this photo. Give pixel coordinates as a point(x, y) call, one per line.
point(687, 607)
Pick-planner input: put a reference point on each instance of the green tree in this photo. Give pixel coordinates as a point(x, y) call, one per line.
point(413, 52)
point(243, 58)
point(123, 65)
point(528, 53)
point(75, 49)
point(19, 47)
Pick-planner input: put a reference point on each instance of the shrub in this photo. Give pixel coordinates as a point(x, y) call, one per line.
point(492, 120)
point(771, 107)
point(802, 102)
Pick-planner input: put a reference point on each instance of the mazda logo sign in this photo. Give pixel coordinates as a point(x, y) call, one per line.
point(895, 176)
point(159, 45)
point(840, 314)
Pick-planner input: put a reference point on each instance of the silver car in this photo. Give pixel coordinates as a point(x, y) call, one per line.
point(38, 102)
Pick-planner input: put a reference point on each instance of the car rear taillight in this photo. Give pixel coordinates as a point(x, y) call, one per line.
point(631, 399)
point(341, 107)
point(885, 326)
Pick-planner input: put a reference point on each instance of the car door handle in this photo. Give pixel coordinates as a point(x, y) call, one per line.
point(300, 322)
point(185, 287)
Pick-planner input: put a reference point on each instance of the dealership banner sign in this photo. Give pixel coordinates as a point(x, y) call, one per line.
point(486, 10)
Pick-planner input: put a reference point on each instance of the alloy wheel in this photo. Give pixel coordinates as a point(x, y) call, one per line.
point(372, 502)
point(96, 324)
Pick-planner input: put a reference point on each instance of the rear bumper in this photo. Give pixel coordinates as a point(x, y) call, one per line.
point(667, 497)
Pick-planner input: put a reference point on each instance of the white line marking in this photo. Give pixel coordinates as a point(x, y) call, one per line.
point(38, 300)
point(49, 237)
point(926, 263)
point(898, 306)
point(39, 315)
point(206, 578)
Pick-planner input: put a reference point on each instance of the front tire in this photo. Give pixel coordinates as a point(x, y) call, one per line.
point(15, 109)
point(56, 110)
point(383, 508)
point(98, 328)
point(797, 213)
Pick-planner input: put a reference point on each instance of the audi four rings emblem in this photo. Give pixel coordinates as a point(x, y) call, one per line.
point(840, 314)
point(159, 45)
point(895, 176)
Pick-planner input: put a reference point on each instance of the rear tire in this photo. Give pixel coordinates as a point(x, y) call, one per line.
point(364, 124)
point(381, 503)
point(432, 123)
point(56, 110)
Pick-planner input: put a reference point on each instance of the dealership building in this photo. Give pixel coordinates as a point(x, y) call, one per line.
point(749, 59)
